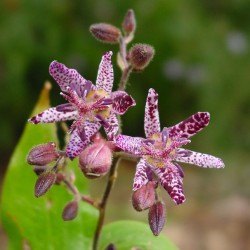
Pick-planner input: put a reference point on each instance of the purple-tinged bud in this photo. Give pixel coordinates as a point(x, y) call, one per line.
point(105, 32)
point(144, 197)
point(95, 161)
point(43, 154)
point(44, 183)
point(129, 22)
point(60, 176)
point(70, 211)
point(140, 56)
point(39, 169)
point(111, 246)
point(157, 217)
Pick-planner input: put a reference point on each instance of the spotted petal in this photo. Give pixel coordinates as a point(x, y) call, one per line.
point(65, 76)
point(191, 125)
point(141, 177)
point(113, 127)
point(171, 180)
point(151, 118)
point(52, 115)
point(132, 145)
point(76, 145)
point(121, 102)
point(199, 159)
point(105, 75)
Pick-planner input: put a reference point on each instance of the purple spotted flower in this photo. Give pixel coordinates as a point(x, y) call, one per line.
point(90, 106)
point(161, 150)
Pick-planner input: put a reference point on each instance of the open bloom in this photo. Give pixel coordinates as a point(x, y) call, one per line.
point(161, 149)
point(90, 106)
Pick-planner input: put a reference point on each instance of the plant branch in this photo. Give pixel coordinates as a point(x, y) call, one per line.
point(103, 203)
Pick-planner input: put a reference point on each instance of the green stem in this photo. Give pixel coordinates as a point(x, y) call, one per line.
point(103, 203)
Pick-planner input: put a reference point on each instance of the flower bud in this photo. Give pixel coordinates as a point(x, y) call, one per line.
point(129, 22)
point(105, 32)
point(144, 197)
point(44, 182)
point(157, 217)
point(70, 211)
point(39, 169)
point(96, 159)
point(111, 246)
point(140, 56)
point(42, 154)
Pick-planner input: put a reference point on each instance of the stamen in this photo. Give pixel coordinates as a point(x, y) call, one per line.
point(103, 121)
point(82, 134)
point(87, 87)
point(75, 87)
point(184, 153)
point(148, 141)
point(180, 170)
point(66, 107)
point(164, 135)
point(107, 101)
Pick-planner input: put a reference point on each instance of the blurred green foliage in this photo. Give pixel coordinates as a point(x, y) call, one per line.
point(201, 64)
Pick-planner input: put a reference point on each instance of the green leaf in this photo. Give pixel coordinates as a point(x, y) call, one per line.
point(126, 235)
point(36, 223)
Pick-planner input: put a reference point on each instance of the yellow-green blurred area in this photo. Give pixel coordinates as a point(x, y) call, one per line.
point(202, 63)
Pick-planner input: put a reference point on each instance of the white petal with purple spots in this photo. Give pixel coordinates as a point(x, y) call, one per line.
point(191, 125)
point(113, 127)
point(151, 118)
point(105, 75)
point(76, 145)
point(121, 102)
point(64, 76)
point(52, 115)
point(199, 159)
point(171, 180)
point(132, 145)
point(141, 177)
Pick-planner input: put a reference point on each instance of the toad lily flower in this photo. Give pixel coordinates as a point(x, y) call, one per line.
point(90, 106)
point(161, 149)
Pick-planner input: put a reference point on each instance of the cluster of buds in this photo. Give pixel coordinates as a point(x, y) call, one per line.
point(41, 158)
point(138, 56)
point(146, 198)
point(47, 161)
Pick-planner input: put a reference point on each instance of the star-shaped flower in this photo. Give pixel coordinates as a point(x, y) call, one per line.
point(161, 150)
point(90, 106)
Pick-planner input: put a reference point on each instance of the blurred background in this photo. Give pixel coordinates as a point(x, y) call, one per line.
point(202, 63)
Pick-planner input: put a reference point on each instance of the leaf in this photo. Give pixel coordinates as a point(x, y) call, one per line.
point(36, 223)
point(128, 235)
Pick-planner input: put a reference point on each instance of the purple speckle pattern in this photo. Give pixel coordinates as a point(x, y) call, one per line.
point(113, 127)
point(52, 115)
point(201, 160)
point(76, 145)
point(121, 102)
point(65, 76)
point(151, 118)
point(171, 180)
point(132, 145)
point(141, 177)
point(191, 125)
point(105, 75)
